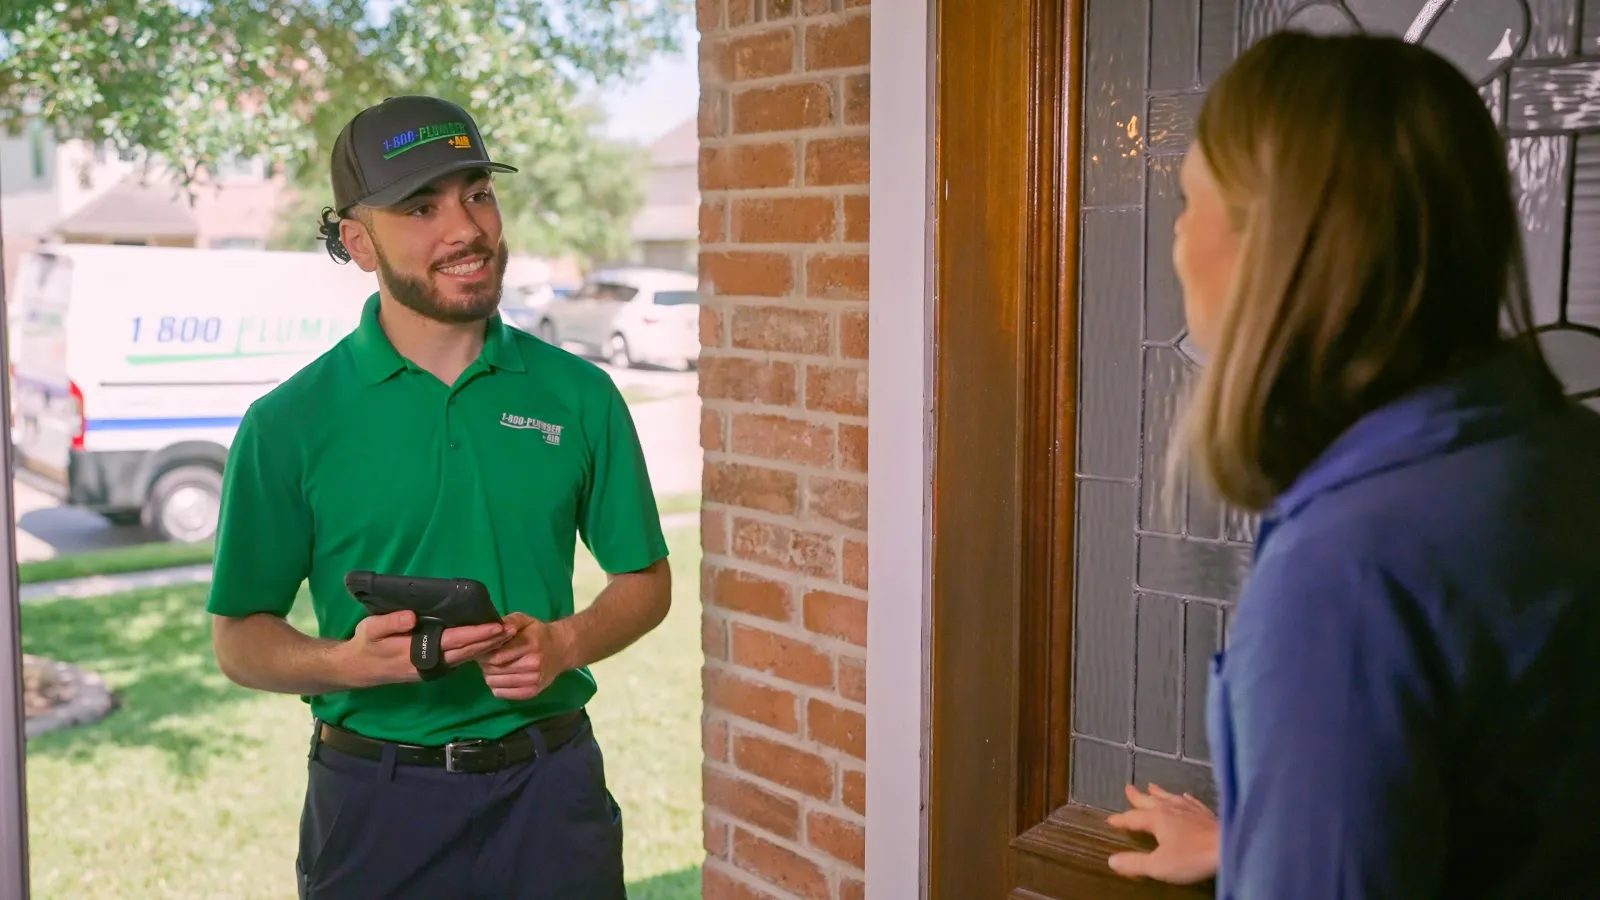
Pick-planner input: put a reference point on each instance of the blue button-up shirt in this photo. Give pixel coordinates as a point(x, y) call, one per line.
point(1409, 701)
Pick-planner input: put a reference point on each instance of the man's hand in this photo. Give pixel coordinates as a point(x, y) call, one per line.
point(1185, 832)
point(380, 650)
point(527, 663)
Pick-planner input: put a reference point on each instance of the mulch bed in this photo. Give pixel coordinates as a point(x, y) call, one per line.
point(58, 695)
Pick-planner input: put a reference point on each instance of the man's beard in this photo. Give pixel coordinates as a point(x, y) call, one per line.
point(418, 294)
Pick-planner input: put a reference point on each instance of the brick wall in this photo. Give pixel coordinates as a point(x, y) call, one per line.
point(783, 230)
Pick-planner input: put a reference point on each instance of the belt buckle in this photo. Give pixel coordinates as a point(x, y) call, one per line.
point(457, 753)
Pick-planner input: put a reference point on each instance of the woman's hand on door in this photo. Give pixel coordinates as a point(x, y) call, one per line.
point(1186, 837)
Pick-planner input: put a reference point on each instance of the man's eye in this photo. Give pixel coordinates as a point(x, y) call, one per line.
point(481, 197)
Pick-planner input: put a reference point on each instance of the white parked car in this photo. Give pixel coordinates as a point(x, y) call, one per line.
point(630, 316)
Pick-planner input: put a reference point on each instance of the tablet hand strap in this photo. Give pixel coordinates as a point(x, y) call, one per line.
point(426, 654)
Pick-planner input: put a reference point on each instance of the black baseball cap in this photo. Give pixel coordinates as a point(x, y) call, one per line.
point(390, 151)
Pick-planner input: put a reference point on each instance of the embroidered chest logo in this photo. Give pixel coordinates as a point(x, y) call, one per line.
point(552, 433)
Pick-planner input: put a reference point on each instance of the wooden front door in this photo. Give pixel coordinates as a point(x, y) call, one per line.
point(1073, 615)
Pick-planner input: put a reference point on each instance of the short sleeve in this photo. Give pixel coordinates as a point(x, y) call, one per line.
point(264, 532)
point(619, 521)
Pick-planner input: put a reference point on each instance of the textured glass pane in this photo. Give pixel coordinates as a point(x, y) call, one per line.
point(1159, 673)
point(1539, 171)
point(1494, 97)
point(1099, 772)
point(1583, 263)
point(1322, 18)
point(1176, 776)
point(1174, 50)
point(1163, 296)
point(1172, 121)
point(1556, 98)
point(1202, 638)
point(1479, 37)
point(1191, 568)
point(1103, 631)
point(1161, 505)
point(1114, 100)
point(1108, 353)
point(1553, 30)
point(1575, 355)
point(1218, 36)
point(1264, 17)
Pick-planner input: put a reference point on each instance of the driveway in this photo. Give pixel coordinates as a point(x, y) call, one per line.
point(668, 424)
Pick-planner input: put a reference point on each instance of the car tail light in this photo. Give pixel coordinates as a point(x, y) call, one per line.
point(83, 421)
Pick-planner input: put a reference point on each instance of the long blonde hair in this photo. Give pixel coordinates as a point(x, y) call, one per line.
point(1379, 247)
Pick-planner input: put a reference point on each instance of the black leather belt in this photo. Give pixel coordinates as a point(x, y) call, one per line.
point(472, 756)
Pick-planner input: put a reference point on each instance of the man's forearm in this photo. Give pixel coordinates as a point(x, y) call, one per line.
point(630, 607)
point(266, 653)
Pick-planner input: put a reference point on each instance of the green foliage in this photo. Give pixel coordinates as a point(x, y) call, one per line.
point(198, 81)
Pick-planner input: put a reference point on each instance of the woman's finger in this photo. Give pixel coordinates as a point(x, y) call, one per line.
point(1139, 799)
point(1135, 820)
point(1130, 864)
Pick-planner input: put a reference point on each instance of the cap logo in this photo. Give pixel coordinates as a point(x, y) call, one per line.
point(454, 132)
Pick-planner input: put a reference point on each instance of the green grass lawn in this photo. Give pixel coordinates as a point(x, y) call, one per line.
point(193, 788)
point(135, 558)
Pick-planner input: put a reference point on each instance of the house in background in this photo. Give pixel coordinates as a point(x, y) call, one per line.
point(666, 230)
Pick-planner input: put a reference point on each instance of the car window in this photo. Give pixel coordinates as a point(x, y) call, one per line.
point(677, 298)
point(619, 293)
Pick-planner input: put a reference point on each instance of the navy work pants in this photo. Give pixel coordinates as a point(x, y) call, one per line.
point(547, 829)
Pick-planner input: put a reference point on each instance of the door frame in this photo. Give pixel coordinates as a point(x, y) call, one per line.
point(1009, 98)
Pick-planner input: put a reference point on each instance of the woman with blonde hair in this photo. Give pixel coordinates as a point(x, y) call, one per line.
point(1409, 702)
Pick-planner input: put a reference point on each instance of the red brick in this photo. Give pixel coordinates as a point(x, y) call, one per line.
point(835, 389)
point(853, 790)
point(765, 54)
point(855, 564)
point(713, 113)
point(837, 500)
point(741, 12)
point(844, 841)
point(784, 107)
point(858, 100)
point(708, 14)
point(816, 7)
point(853, 4)
point(752, 487)
point(748, 273)
point(785, 220)
point(785, 548)
point(714, 637)
point(852, 678)
point(751, 803)
point(718, 885)
point(838, 161)
point(796, 769)
point(715, 836)
point(839, 45)
point(714, 217)
point(747, 166)
point(836, 615)
point(711, 430)
point(740, 591)
point(748, 381)
point(779, 866)
point(779, 9)
point(710, 327)
point(857, 219)
point(713, 531)
point(842, 729)
point(850, 889)
point(854, 340)
point(780, 437)
point(781, 657)
point(769, 706)
point(782, 329)
point(837, 277)
point(852, 447)
point(714, 738)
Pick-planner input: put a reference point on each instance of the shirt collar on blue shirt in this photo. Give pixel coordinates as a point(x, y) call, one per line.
point(1485, 400)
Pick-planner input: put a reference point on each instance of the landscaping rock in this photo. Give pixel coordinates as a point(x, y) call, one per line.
point(58, 695)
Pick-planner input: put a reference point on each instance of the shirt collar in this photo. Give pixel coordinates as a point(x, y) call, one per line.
point(377, 360)
point(1482, 402)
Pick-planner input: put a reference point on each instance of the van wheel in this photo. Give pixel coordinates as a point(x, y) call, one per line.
point(184, 504)
point(617, 352)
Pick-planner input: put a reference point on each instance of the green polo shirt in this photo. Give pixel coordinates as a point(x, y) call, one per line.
point(362, 460)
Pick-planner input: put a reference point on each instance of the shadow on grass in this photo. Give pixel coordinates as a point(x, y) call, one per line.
point(681, 885)
point(153, 648)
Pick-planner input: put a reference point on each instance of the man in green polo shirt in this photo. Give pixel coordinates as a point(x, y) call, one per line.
point(435, 441)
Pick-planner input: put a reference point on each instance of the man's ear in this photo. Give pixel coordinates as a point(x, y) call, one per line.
point(355, 231)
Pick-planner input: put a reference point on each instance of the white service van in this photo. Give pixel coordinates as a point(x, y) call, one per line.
point(132, 366)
